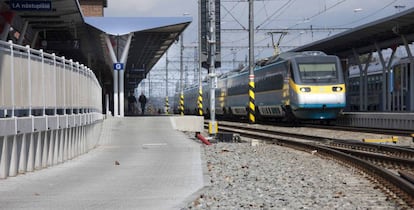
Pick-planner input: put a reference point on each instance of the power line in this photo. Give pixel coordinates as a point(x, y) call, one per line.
point(370, 15)
point(319, 13)
point(284, 6)
point(234, 18)
point(229, 30)
point(247, 0)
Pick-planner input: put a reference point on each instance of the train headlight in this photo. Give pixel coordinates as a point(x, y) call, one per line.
point(305, 89)
point(336, 89)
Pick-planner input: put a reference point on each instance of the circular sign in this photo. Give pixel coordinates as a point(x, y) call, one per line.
point(118, 66)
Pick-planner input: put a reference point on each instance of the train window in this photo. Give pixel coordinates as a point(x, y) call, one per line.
point(292, 75)
point(323, 72)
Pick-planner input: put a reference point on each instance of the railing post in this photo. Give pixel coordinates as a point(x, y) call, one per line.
point(29, 72)
point(56, 147)
point(38, 157)
point(70, 143)
point(66, 145)
point(31, 156)
point(76, 89)
point(51, 147)
point(71, 86)
point(107, 104)
point(61, 145)
point(13, 158)
point(45, 149)
point(4, 162)
point(12, 78)
point(23, 155)
point(43, 82)
point(54, 82)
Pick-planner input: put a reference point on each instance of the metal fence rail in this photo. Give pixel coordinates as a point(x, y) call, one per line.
point(386, 120)
point(50, 109)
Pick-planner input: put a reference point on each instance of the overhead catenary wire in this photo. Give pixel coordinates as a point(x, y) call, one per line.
point(269, 19)
point(368, 16)
point(321, 12)
point(284, 6)
point(228, 12)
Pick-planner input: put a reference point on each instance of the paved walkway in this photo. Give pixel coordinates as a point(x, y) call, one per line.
point(159, 168)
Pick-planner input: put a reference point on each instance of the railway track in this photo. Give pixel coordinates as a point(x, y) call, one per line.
point(382, 164)
point(360, 129)
point(333, 126)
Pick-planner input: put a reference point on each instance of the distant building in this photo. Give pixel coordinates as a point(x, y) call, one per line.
point(93, 7)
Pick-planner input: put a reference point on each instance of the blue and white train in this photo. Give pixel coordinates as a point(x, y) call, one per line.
point(291, 86)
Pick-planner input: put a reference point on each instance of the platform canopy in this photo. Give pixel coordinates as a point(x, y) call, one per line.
point(386, 32)
point(62, 29)
point(152, 36)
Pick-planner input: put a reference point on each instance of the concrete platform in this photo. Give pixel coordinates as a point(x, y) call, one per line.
point(159, 168)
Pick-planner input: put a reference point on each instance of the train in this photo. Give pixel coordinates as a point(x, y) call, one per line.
point(291, 86)
point(397, 81)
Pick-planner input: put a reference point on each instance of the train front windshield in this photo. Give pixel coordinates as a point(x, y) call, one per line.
point(318, 73)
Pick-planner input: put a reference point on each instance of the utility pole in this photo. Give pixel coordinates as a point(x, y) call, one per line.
point(195, 66)
point(187, 78)
point(212, 73)
point(252, 106)
point(149, 86)
point(200, 87)
point(181, 108)
point(166, 83)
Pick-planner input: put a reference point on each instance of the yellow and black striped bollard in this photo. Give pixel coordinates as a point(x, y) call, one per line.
point(200, 102)
point(167, 105)
point(182, 104)
point(252, 118)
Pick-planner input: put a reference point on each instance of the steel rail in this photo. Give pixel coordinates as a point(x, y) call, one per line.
point(389, 150)
point(398, 189)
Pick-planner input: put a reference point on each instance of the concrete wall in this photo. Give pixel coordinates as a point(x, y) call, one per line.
point(31, 151)
point(188, 123)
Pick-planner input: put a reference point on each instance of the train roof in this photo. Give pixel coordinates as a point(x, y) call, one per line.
point(288, 55)
point(233, 72)
point(269, 60)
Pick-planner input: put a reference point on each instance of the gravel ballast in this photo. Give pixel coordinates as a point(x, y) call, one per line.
point(268, 176)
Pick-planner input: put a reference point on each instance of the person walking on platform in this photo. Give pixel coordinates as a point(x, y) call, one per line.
point(143, 100)
point(131, 103)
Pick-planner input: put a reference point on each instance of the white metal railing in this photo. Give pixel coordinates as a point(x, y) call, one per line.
point(50, 109)
point(33, 82)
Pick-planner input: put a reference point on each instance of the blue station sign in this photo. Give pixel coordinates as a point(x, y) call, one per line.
point(31, 5)
point(118, 66)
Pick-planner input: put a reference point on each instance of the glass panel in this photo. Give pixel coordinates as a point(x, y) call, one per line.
point(318, 72)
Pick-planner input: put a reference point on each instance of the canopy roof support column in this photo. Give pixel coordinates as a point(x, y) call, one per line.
point(5, 33)
point(35, 38)
point(363, 81)
point(411, 69)
point(386, 93)
point(115, 73)
point(119, 74)
point(390, 70)
point(23, 33)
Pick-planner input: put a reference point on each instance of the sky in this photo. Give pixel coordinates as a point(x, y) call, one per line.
point(327, 17)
